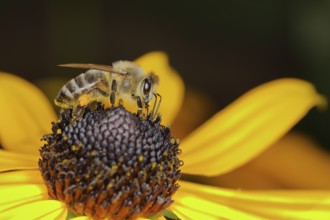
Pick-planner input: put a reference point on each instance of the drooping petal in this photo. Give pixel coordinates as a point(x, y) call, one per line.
point(217, 203)
point(171, 86)
point(21, 177)
point(15, 195)
point(88, 218)
point(25, 115)
point(248, 126)
point(15, 161)
point(47, 209)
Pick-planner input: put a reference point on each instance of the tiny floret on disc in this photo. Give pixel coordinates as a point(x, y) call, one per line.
point(110, 163)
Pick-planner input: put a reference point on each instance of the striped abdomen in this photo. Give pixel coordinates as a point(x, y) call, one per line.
point(91, 83)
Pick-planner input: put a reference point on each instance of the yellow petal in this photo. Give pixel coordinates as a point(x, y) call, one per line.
point(21, 177)
point(81, 218)
point(171, 86)
point(158, 218)
point(203, 203)
point(41, 210)
point(12, 196)
point(25, 115)
point(248, 126)
point(88, 218)
point(237, 204)
point(16, 161)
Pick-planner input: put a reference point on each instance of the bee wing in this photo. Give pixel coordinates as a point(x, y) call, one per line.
point(101, 67)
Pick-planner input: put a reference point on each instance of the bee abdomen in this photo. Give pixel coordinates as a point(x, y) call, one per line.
point(80, 85)
point(64, 97)
point(96, 77)
point(83, 83)
point(80, 81)
point(72, 90)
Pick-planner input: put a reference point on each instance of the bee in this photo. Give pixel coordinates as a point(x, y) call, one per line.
point(123, 80)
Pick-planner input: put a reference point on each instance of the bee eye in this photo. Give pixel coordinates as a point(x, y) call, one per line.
point(146, 86)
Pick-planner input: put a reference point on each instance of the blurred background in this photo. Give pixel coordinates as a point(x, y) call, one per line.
point(221, 48)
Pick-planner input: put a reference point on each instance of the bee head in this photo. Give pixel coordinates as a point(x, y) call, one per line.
point(148, 87)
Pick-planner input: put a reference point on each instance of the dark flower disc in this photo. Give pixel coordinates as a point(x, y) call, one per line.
point(110, 163)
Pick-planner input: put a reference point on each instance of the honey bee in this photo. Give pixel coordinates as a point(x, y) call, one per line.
point(123, 80)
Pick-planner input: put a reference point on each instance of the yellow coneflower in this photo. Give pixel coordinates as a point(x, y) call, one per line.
point(228, 140)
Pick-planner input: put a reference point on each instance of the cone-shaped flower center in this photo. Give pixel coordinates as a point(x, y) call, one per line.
point(110, 163)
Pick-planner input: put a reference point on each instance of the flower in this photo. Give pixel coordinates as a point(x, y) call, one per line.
point(227, 141)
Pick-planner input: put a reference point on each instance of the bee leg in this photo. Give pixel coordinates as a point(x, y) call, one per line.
point(113, 92)
point(157, 119)
point(95, 95)
point(140, 106)
point(99, 105)
point(151, 115)
point(78, 112)
point(147, 108)
point(158, 105)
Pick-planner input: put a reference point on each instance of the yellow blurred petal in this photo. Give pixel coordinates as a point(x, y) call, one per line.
point(25, 115)
point(171, 86)
point(303, 165)
point(41, 210)
point(248, 126)
point(16, 161)
point(230, 204)
point(21, 177)
point(12, 196)
point(191, 115)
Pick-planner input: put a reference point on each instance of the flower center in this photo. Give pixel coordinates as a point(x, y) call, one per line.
point(110, 164)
